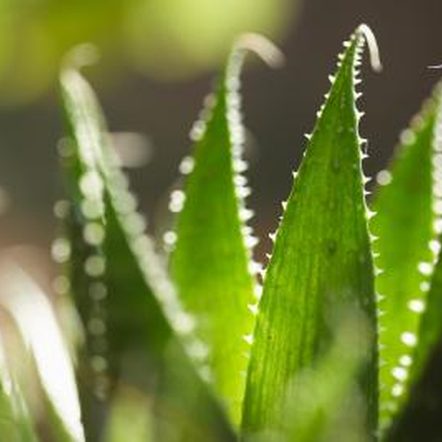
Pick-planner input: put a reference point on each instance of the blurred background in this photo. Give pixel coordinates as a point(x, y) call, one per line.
point(159, 59)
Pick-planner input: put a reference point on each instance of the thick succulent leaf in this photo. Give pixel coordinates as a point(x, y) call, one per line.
point(321, 265)
point(15, 421)
point(129, 307)
point(405, 247)
point(211, 262)
point(38, 327)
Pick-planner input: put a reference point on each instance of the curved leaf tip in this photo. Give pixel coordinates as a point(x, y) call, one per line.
point(373, 48)
point(82, 55)
point(261, 46)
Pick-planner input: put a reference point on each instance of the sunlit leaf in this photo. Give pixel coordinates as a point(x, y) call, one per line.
point(130, 310)
point(405, 246)
point(211, 263)
point(321, 265)
point(22, 298)
point(15, 422)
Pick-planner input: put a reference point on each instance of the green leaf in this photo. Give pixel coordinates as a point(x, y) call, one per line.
point(321, 265)
point(404, 227)
point(430, 330)
point(129, 308)
point(430, 326)
point(211, 262)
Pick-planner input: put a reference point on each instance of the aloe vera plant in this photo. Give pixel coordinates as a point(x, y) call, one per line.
point(192, 340)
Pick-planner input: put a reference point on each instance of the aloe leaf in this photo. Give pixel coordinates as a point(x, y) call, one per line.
point(211, 262)
point(15, 421)
point(123, 294)
point(404, 226)
point(38, 327)
point(321, 264)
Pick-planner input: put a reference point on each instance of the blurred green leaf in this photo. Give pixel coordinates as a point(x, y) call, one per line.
point(420, 405)
point(430, 326)
point(404, 225)
point(15, 421)
point(311, 414)
point(321, 265)
point(38, 327)
point(430, 330)
point(130, 418)
point(212, 263)
point(123, 295)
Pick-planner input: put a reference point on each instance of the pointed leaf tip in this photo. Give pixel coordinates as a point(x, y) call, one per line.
point(212, 232)
point(320, 269)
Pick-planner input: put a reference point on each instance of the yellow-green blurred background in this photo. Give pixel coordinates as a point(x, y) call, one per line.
point(167, 39)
